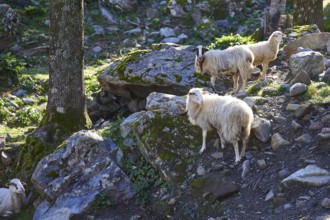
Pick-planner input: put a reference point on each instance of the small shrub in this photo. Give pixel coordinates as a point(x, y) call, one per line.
point(230, 40)
point(10, 68)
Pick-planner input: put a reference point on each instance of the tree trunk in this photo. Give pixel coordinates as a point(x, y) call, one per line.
point(272, 20)
point(308, 12)
point(66, 108)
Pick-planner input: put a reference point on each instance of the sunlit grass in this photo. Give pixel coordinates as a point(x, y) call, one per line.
point(319, 93)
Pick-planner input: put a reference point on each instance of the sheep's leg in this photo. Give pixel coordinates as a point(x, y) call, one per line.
point(243, 148)
point(221, 139)
point(204, 141)
point(235, 83)
point(213, 78)
point(264, 70)
point(244, 80)
point(237, 156)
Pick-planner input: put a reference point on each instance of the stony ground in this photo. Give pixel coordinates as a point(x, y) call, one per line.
point(261, 194)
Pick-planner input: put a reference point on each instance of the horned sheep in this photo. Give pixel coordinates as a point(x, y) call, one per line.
point(266, 51)
point(234, 61)
point(12, 198)
point(231, 117)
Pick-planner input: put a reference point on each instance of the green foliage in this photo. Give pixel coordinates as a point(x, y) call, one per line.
point(230, 40)
point(35, 11)
point(102, 201)
point(26, 116)
point(318, 92)
point(10, 67)
point(144, 176)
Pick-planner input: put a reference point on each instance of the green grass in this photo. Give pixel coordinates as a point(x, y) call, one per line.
point(318, 93)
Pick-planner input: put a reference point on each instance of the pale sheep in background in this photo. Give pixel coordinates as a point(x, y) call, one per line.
point(234, 61)
point(231, 117)
point(13, 198)
point(266, 51)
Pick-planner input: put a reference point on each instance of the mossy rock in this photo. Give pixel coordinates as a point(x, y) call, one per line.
point(170, 146)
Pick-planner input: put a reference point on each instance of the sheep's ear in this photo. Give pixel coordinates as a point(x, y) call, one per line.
point(205, 92)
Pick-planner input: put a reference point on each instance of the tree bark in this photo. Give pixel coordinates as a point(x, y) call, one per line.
point(308, 12)
point(66, 107)
point(272, 20)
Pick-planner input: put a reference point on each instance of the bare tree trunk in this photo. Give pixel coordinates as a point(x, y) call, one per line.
point(273, 15)
point(308, 12)
point(66, 106)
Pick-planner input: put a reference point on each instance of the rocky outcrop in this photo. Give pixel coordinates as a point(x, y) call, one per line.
point(72, 177)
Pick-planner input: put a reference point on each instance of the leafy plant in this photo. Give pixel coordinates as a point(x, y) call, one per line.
point(230, 40)
point(10, 68)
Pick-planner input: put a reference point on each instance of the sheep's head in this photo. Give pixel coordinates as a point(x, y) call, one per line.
point(200, 51)
point(15, 185)
point(277, 36)
point(195, 95)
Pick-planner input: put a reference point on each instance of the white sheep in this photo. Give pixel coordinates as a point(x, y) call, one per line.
point(234, 61)
point(266, 51)
point(13, 198)
point(231, 117)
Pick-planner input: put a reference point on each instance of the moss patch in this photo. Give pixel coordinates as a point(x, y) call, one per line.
point(120, 68)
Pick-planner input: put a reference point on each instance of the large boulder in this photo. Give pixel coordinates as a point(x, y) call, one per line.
point(170, 146)
point(70, 179)
point(315, 41)
point(309, 61)
point(169, 69)
point(9, 23)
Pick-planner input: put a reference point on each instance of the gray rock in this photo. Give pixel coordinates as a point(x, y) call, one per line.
point(74, 175)
point(167, 32)
point(133, 31)
point(97, 49)
point(99, 30)
point(315, 41)
point(20, 92)
point(127, 124)
point(296, 125)
point(311, 175)
point(254, 100)
point(325, 134)
point(301, 77)
point(278, 141)
point(174, 40)
point(245, 168)
point(283, 173)
point(107, 15)
point(270, 195)
point(169, 69)
point(170, 103)
point(261, 164)
point(303, 110)
point(168, 145)
point(201, 171)
point(176, 10)
point(326, 76)
point(316, 125)
point(292, 107)
point(214, 187)
point(325, 203)
point(183, 37)
point(298, 89)
point(311, 62)
point(305, 138)
point(262, 129)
